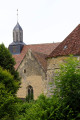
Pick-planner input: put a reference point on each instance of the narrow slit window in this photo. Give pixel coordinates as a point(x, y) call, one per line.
point(24, 70)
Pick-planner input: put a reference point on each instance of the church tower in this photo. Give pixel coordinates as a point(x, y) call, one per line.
point(17, 33)
point(16, 46)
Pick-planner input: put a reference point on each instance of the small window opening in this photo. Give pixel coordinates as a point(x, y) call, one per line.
point(24, 70)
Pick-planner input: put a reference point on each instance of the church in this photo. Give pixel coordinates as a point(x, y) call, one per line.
point(37, 63)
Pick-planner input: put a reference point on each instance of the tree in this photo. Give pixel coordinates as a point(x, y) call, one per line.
point(9, 84)
point(41, 109)
point(8, 108)
point(68, 88)
point(7, 62)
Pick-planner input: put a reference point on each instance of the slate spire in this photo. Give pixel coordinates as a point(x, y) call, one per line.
point(16, 46)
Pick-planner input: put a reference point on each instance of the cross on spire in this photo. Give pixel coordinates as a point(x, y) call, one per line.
point(17, 15)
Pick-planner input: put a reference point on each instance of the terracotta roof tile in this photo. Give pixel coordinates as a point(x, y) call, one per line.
point(39, 48)
point(70, 45)
point(43, 48)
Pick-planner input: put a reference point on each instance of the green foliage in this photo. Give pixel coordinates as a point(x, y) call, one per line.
point(7, 80)
point(7, 62)
point(42, 109)
point(68, 88)
point(9, 84)
point(8, 109)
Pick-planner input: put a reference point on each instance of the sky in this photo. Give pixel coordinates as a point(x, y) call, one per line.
point(42, 21)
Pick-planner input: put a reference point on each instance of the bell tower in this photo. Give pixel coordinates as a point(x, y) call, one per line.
point(17, 33)
point(16, 46)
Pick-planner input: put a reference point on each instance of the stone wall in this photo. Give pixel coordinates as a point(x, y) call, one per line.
point(31, 74)
point(52, 67)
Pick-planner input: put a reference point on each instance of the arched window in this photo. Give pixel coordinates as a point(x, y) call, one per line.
point(16, 36)
point(13, 36)
point(20, 37)
point(30, 93)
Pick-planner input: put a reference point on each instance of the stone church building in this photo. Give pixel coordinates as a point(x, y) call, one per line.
point(37, 63)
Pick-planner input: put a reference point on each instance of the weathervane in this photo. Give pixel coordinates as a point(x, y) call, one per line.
point(17, 15)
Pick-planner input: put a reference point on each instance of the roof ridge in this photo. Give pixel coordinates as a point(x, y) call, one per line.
point(42, 44)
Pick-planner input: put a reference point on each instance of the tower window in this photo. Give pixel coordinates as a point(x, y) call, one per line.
point(16, 36)
point(13, 36)
point(20, 36)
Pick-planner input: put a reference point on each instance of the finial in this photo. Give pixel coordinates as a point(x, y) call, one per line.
point(17, 15)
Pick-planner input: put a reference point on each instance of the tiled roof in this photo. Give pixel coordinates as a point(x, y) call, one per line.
point(45, 49)
point(70, 45)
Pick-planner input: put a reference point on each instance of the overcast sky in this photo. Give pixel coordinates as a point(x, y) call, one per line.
point(43, 21)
